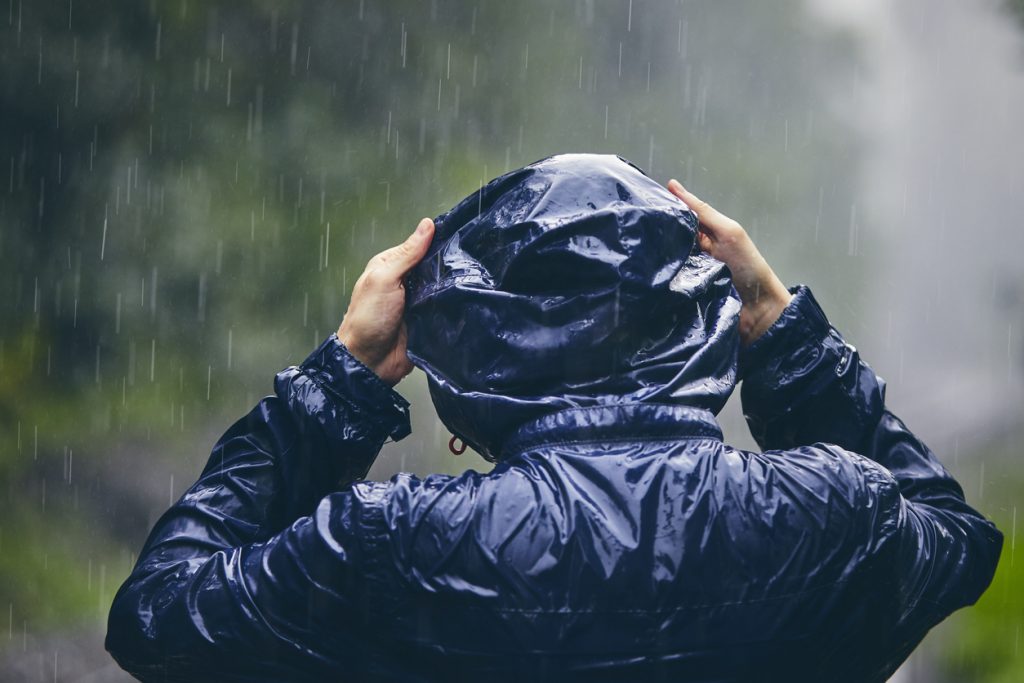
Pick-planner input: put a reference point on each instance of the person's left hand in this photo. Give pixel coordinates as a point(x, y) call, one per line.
point(373, 329)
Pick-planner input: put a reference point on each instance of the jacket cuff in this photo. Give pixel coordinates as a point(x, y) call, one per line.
point(801, 323)
point(344, 377)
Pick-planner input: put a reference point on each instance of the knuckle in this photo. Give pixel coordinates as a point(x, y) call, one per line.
point(390, 256)
point(734, 235)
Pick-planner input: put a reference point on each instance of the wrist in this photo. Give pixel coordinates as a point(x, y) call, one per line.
point(757, 318)
point(800, 324)
point(353, 347)
point(368, 405)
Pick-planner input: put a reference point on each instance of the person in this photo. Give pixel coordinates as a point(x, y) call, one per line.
point(579, 325)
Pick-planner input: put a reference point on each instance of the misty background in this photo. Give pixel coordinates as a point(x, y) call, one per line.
point(188, 191)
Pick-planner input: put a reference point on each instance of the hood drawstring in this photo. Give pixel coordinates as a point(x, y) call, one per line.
point(451, 446)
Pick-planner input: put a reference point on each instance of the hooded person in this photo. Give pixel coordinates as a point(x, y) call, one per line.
point(574, 282)
point(574, 331)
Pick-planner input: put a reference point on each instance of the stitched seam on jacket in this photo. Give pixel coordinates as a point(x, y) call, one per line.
point(522, 444)
point(380, 591)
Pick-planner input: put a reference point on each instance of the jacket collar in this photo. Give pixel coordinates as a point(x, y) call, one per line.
point(639, 421)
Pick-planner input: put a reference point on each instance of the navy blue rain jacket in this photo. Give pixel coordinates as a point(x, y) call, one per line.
point(573, 333)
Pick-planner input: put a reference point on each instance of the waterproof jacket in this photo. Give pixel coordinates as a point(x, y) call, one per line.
point(615, 539)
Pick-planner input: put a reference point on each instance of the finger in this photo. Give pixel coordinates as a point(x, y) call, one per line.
point(709, 217)
point(696, 204)
point(395, 262)
point(690, 199)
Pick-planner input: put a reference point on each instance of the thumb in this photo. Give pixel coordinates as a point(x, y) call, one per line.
point(397, 261)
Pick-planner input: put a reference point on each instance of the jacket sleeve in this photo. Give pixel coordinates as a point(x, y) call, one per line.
point(237, 577)
point(804, 384)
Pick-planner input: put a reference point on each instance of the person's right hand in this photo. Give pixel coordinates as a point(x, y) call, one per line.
point(373, 329)
point(762, 294)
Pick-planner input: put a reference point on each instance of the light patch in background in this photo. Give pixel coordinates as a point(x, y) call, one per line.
point(939, 105)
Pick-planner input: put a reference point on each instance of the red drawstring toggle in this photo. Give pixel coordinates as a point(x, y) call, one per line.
point(451, 446)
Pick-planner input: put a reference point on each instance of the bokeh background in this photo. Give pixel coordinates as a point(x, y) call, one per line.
point(188, 190)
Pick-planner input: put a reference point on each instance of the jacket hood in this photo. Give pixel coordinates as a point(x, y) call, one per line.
point(572, 282)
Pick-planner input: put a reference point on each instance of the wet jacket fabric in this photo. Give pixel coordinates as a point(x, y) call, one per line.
point(613, 540)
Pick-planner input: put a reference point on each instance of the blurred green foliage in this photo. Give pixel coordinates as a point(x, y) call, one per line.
point(987, 640)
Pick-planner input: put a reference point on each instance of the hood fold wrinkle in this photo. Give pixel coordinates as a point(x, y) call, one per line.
point(575, 281)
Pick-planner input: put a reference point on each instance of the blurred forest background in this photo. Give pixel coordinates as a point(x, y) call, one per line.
point(189, 189)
